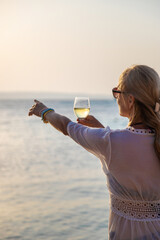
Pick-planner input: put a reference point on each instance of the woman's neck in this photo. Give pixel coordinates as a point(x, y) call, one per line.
point(138, 124)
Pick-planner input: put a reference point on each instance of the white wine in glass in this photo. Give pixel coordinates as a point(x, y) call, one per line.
point(81, 107)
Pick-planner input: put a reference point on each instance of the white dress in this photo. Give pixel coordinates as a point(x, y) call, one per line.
point(132, 169)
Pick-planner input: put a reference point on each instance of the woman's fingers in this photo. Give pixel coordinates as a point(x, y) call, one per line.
point(30, 113)
point(36, 101)
point(86, 121)
point(90, 121)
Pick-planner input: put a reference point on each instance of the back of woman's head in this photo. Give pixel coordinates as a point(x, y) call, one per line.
point(143, 83)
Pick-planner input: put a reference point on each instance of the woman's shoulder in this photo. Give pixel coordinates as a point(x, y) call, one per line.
point(118, 131)
point(131, 134)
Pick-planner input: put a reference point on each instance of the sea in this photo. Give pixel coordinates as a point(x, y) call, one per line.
point(50, 187)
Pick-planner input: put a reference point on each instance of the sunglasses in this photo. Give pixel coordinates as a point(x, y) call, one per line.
point(116, 92)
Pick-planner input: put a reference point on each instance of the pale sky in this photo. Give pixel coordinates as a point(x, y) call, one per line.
point(70, 46)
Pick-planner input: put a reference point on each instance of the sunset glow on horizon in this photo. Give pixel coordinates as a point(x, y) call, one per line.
point(75, 46)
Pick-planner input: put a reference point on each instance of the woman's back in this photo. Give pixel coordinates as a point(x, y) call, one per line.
point(133, 180)
point(134, 163)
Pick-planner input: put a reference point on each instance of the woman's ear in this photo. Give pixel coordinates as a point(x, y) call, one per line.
point(131, 100)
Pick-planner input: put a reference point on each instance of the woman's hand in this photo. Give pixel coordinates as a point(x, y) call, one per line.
point(37, 109)
point(90, 121)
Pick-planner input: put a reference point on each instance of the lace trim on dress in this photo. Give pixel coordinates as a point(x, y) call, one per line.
point(136, 210)
point(141, 131)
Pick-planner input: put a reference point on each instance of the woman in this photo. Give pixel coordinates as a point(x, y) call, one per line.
point(130, 157)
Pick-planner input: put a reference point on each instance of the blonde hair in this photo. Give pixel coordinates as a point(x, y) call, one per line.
point(143, 83)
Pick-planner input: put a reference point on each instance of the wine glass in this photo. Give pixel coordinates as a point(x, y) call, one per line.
point(81, 107)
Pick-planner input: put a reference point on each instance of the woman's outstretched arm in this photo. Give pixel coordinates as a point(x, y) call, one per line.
point(60, 122)
point(56, 120)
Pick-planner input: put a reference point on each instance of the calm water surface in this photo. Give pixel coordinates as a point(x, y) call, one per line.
point(50, 187)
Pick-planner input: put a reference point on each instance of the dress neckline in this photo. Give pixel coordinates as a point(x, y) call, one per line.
point(140, 131)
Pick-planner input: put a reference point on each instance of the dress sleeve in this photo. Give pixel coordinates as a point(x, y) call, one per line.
point(94, 140)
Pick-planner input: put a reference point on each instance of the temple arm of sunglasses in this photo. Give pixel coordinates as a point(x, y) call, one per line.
point(116, 91)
